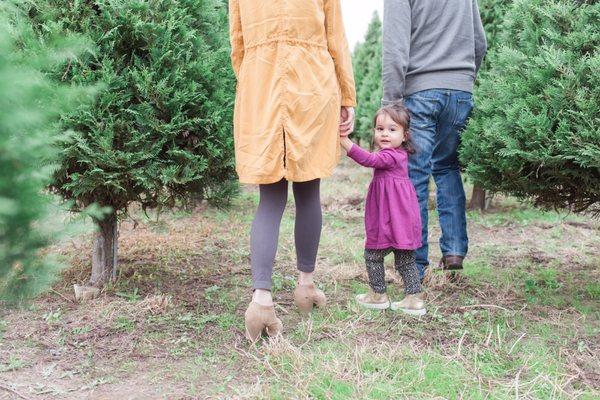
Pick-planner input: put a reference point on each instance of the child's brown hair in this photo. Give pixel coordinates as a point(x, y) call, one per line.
point(400, 115)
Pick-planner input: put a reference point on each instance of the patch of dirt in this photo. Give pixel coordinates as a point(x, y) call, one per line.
point(171, 327)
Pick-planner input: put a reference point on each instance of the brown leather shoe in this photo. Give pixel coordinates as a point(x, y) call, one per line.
point(307, 296)
point(261, 319)
point(451, 263)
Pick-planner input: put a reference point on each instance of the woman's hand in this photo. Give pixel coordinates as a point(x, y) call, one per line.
point(346, 121)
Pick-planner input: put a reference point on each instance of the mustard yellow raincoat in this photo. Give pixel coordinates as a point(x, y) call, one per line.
point(294, 71)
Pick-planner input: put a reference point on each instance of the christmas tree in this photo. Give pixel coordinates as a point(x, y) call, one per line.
point(159, 133)
point(536, 133)
point(30, 106)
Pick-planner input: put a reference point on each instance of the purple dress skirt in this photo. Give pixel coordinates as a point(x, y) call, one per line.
point(392, 216)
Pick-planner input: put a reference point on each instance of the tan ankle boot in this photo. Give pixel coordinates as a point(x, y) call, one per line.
point(307, 296)
point(261, 319)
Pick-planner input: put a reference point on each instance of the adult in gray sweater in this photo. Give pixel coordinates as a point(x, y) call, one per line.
point(432, 50)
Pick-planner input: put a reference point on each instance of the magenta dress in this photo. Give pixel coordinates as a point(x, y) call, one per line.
point(392, 216)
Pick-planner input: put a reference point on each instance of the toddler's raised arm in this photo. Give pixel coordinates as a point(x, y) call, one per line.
point(384, 159)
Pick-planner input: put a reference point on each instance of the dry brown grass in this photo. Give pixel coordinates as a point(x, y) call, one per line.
point(522, 322)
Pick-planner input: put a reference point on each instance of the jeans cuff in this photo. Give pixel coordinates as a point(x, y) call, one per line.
point(455, 253)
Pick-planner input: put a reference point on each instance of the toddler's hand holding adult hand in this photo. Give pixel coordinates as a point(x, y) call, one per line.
point(346, 143)
point(346, 121)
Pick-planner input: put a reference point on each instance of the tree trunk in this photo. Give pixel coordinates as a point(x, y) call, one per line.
point(477, 198)
point(105, 248)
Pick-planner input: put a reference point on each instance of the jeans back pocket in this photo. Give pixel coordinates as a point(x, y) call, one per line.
point(424, 111)
point(464, 107)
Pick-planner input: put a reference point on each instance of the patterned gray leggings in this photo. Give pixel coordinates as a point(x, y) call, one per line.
point(404, 261)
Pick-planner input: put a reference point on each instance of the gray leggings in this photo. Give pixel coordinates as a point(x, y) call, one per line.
point(264, 235)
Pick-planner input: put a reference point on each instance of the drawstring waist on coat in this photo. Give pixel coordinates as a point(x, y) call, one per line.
point(287, 40)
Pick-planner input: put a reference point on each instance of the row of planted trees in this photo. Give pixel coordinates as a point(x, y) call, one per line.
point(111, 102)
point(107, 103)
point(535, 132)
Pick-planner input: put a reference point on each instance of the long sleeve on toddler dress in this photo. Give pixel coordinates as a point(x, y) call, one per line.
point(384, 159)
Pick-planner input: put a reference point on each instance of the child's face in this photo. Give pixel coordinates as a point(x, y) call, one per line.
point(388, 134)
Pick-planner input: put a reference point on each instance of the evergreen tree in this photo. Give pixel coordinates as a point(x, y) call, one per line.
point(492, 14)
point(29, 108)
point(536, 134)
point(367, 71)
point(159, 133)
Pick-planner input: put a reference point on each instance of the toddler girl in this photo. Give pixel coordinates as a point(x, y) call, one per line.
point(392, 218)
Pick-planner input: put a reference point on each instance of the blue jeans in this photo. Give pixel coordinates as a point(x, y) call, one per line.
point(438, 116)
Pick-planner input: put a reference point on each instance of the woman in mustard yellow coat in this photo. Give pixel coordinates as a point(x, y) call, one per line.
point(295, 92)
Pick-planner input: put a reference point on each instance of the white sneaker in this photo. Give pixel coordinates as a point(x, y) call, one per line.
point(412, 304)
point(373, 300)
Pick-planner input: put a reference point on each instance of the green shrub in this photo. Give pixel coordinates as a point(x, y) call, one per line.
point(159, 134)
point(492, 13)
point(30, 106)
point(536, 131)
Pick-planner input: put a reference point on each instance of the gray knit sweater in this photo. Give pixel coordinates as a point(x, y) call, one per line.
point(430, 44)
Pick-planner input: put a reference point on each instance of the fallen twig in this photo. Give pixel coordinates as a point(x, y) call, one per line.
point(498, 332)
point(517, 384)
point(489, 337)
point(63, 296)
point(281, 308)
point(14, 392)
point(460, 342)
point(309, 328)
point(518, 340)
point(486, 306)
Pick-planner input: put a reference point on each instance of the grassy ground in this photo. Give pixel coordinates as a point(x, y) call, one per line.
point(523, 322)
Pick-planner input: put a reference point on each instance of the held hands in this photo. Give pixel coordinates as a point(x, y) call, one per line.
point(346, 121)
point(346, 126)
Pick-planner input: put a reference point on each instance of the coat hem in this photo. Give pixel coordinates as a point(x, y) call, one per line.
point(265, 180)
